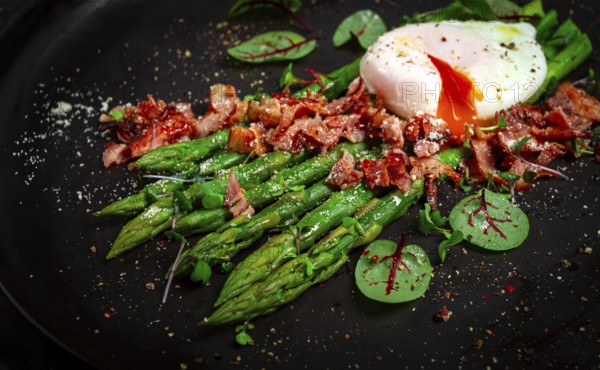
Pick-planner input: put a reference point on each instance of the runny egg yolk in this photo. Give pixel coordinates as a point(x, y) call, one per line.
point(456, 104)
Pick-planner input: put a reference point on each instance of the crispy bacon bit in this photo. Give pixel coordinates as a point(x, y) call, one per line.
point(266, 111)
point(421, 167)
point(248, 140)
point(583, 108)
point(224, 103)
point(148, 125)
point(484, 157)
point(522, 113)
point(234, 197)
point(241, 139)
point(431, 190)
point(115, 154)
point(343, 174)
point(388, 171)
point(342, 105)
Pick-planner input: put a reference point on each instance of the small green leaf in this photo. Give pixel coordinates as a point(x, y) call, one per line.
point(174, 235)
point(213, 187)
point(430, 221)
point(117, 114)
point(201, 273)
point(151, 193)
point(272, 47)
point(244, 339)
point(490, 221)
point(465, 185)
point(437, 218)
point(502, 124)
point(529, 177)
point(212, 201)
point(509, 177)
point(519, 144)
point(392, 273)
point(287, 77)
point(309, 267)
point(365, 25)
point(256, 96)
point(181, 201)
point(453, 239)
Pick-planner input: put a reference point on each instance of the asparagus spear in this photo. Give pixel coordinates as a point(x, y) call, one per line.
point(576, 48)
point(244, 230)
point(317, 265)
point(159, 216)
point(176, 157)
point(134, 204)
point(285, 246)
point(261, 195)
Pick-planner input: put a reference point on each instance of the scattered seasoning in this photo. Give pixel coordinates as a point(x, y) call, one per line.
point(93, 249)
point(510, 288)
point(478, 343)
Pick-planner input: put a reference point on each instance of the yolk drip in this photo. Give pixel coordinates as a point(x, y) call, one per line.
point(457, 97)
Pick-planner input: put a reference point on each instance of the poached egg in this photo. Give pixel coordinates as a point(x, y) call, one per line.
point(462, 72)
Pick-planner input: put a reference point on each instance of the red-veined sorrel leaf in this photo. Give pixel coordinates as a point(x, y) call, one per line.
point(365, 25)
point(273, 46)
point(489, 221)
point(392, 273)
point(290, 7)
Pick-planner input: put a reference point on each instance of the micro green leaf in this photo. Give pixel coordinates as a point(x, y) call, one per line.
point(365, 25)
point(309, 267)
point(430, 221)
point(392, 273)
point(242, 337)
point(465, 185)
point(151, 193)
point(174, 235)
point(117, 114)
point(519, 144)
point(273, 46)
point(181, 202)
point(529, 176)
point(212, 200)
point(502, 124)
point(287, 77)
point(451, 239)
point(490, 221)
point(201, 273)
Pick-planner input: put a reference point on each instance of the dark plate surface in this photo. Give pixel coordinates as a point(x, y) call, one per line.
point(71, 60)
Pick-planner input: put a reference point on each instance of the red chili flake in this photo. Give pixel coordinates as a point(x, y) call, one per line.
point(375, 257)
point(486, 297)
point(443, 39)
point(108, 314)
point(365, 253)
point(510, 288)
point(321, 285)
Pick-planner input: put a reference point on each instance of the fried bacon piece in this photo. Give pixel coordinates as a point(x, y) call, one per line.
point(225, 109)
point(115, 154)
point(148, 125)
point(388, 171)
point(248, 140)
point(235, 197)
point(343, 173)
point(579, 108)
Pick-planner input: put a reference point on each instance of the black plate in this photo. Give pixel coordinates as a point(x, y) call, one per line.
point(95, 54)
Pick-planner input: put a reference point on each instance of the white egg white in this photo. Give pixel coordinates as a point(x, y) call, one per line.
point(502, 60)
